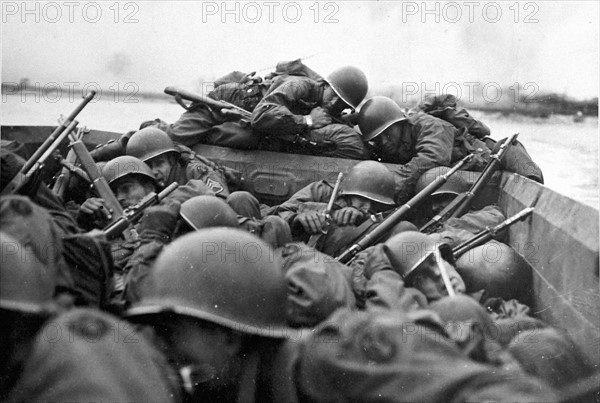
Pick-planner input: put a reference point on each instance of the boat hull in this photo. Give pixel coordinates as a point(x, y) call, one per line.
point(559, 240)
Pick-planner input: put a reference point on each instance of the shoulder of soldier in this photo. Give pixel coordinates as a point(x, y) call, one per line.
point(293, 84)
point(422, 120)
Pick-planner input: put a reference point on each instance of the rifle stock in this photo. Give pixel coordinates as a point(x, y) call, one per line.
point(191, 96)
point(385, 226)
point(132, 214)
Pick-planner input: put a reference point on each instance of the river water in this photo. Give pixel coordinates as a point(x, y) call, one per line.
point(567, 152)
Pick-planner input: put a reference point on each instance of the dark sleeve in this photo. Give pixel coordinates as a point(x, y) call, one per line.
point(433, 142)
point(45, 198)
point(281, 110)
point(138, 269)
point(462, 119)
point(316, 192)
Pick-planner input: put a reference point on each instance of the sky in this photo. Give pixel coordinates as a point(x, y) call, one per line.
point(541, 46)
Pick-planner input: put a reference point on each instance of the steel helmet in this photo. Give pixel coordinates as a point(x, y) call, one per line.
point(225, 276)
point(455, 184)
point(497, 268)
point(376, 115)
point(27, 284)
point(350, 84)
point(207, 211)
point(148, 143)
point(123, 166)
point(372, 180)
point(407, 250)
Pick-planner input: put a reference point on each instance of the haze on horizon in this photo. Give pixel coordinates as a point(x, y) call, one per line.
point(185, 43)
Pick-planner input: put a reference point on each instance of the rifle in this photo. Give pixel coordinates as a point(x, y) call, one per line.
point(180, 94)
point(315, 238)
point(72, 169)
point(115, 211)
point(48, 146)
point(133, 213)
point(385, 226)
point(463, 201)
point(33, 165)
point(62, 181)
point(488, 233)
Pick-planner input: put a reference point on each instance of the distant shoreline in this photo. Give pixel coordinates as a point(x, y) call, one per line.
point(544, 106)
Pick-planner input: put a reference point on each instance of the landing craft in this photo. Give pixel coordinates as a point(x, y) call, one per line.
point(559, 241)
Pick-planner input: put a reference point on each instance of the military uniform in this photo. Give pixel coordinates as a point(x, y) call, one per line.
point(280, 116)
point(401, 357)
point(86, 355)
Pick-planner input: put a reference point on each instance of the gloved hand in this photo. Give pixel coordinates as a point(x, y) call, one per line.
point(112, 149)
point(159, 222)
point(312, 222)
point(320, 118)
point(348, 216)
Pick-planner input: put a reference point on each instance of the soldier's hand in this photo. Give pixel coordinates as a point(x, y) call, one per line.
point(348, 216)
point(320, 118)
point(159, 221)
point(96, 207)
point(312, 222)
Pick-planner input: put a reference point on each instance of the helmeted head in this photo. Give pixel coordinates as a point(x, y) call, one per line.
point(125, 165)
point(350, 84)
point(441, 197)
point(371, 180)
point(155, 148)
point(497, 268)
point(27, 285)
point(224, 276)
point(148, 143)
point(377, 115)
point(413, 256)
point(207, 211)
point(129, 178)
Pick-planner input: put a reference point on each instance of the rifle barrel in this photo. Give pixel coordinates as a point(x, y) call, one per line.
point(191, 96)
point(373, 236)
point(489, 233)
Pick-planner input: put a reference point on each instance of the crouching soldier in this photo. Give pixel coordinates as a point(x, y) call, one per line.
point(493, 266)
point(365, 192)
point(175, 163)
point(417, 142)
point(131, 180)
point(304, 111)
point(217, 303)
point(79, 355)
point(401, 357)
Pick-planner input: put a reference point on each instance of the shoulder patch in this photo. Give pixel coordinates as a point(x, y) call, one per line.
point(214, 186)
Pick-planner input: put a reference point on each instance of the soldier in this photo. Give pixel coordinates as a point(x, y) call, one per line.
point(401, 357)
point(205, 125)
point(131, 180)
point(365, 192)
point(413, 256)
point(81, 355)
point(304, 109)
point(160, 224)
point(217, 300)
point(493, 266)
point(417, 142)
point(81, 263)
point(170, 163)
